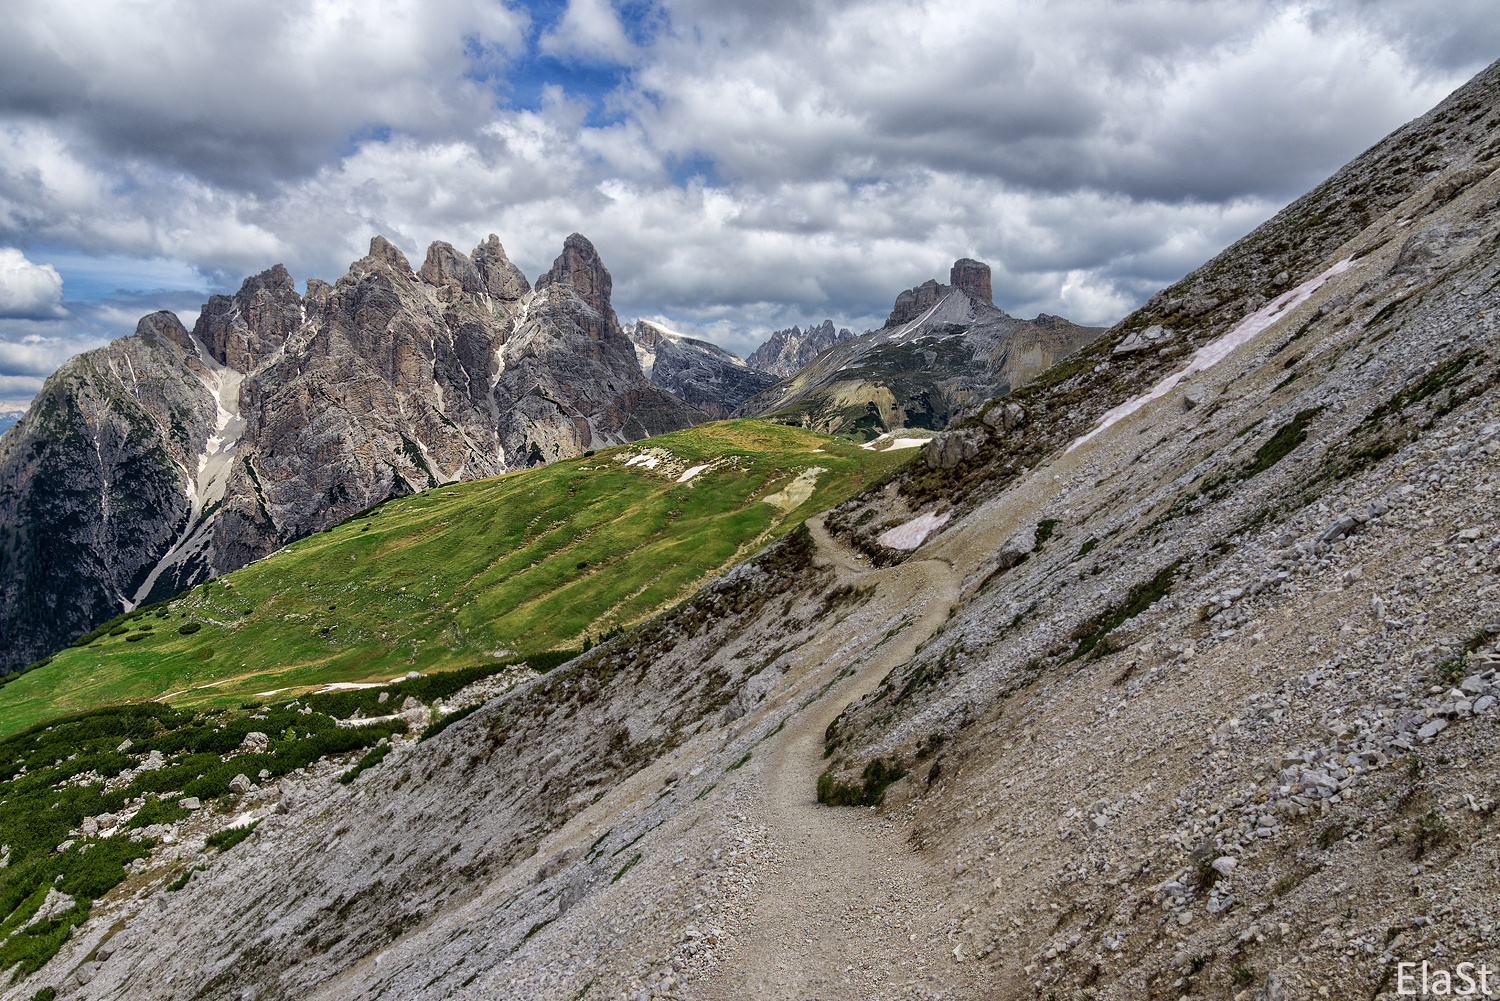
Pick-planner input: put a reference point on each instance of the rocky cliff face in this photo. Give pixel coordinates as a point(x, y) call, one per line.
point(786, 352)
point(943, 348)
point(705, 375)
point(174, 455)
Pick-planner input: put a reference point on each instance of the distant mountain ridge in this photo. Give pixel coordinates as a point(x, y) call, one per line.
point(705, 375)
point(943, 348)
point(786, 352)
point(172, 455)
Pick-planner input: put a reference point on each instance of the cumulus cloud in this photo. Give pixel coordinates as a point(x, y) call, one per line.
point(28, 291)
point(741, 164)
point(246, 92)
point(590, 30)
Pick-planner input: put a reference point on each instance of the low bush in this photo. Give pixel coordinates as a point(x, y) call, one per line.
point(877, 776)
point(373, 757)
point(438, 726)
point(229, 837)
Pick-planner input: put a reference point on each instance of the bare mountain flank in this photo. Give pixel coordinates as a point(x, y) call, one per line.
point(709, 377)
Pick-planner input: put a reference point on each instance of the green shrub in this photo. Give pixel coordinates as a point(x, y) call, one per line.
point(1090, 632)
point(626, 868)
point(877, 777)
point(189, 628)
point(1286, 438)
point(229, 837)
point(157, 811)
point(182, 880)
point(372, 758)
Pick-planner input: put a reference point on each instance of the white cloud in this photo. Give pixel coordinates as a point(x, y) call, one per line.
point(589, 31)
point(245, 92)
point(28, 291)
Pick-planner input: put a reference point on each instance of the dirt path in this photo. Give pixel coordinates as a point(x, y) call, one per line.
point(834, 919)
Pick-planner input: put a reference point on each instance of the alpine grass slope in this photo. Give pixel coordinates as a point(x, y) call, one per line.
point(1184, 686)
point(470, 573)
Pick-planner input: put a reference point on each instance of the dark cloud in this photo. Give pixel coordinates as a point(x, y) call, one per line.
point(247, 93)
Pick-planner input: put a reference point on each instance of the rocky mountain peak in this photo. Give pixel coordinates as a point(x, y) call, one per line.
point(446, 266)
point(165, 326)
point(387, 252)
point(579, 266)
point(972, 277)
point(936, 354)
point(967, 275)
point(243, 330)
point(915, 301)
point(318, 292)
point(502, 279)
point(648, 336)
point(785, 352)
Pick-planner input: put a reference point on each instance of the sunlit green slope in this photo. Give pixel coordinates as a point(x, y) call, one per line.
point(530, 561)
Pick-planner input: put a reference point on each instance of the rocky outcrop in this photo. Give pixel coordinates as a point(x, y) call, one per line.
point(787, 351)
point(174, 455)
point(944, 348)
point(705, 375)
point(571, 372)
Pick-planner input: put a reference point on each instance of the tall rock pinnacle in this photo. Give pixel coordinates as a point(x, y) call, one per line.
point(579, 266)
point(973, 277)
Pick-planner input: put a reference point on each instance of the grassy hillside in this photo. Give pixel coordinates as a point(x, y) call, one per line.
point(530, 561)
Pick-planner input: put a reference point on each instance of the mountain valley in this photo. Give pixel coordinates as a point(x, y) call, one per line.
point(1169, 668)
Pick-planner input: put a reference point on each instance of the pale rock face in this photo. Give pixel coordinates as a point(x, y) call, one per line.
point(502, 279)
point(787, 351)
point(707, 376)
point(972, 277)
point(170, 456)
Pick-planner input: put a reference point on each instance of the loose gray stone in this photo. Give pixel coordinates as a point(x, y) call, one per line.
point(1433, 728)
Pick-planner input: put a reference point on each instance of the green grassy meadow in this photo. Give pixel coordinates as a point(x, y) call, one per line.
point(535, 560)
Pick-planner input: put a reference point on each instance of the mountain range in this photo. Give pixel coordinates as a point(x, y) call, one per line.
point(943, 348)
point(173, 455)
point(1171, 673)
point(786, 352)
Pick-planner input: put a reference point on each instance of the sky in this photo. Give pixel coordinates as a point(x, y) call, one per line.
point(742, 165)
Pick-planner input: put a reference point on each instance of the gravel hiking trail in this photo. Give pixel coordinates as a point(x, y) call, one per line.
point(839, 915)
